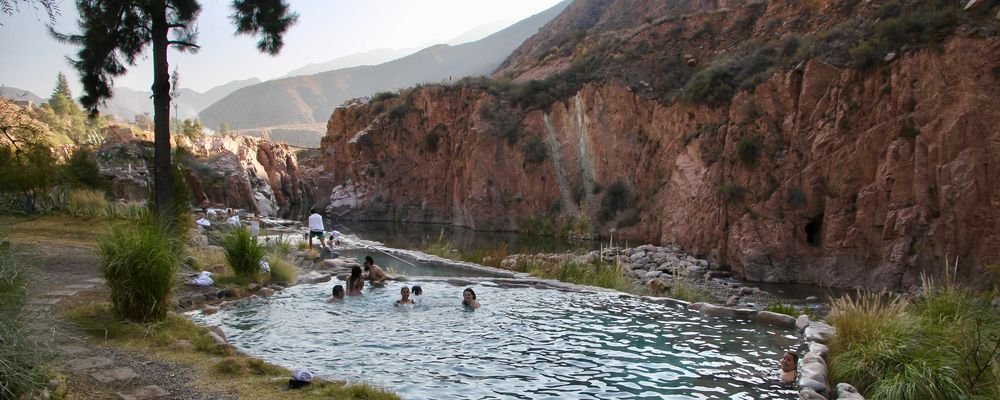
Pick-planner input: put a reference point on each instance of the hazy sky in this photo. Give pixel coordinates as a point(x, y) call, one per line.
point(326, 29)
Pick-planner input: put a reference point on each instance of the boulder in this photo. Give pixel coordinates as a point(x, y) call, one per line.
point(268, 292)
point(819, 349)
point(653, 274)
point(209, 310)
point(845, 391)
point(218, 332)
point(217, 339)
point(659, 285)
point(802, 322)
point(819, 332)
point(773, 318)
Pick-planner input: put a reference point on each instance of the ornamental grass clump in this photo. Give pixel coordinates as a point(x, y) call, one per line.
point(21, 360)
point(139, 261)
point(243, 253)
point(942, 344)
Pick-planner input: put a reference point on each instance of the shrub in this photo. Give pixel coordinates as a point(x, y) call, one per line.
point(747, 150)
point(431, 139)
point(87, 203)
point(535, 151)
point(731, 192)
point(383, 96)
point(82, 171)
point(504, 122)
point(630, 217)
point(21, 362)
point(399, 111)
point(866, 54)
point(596, 273)
point(683, 290)
point(243, 253)
point(138, 261)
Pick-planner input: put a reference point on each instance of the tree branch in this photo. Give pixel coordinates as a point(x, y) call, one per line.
point(182, 43)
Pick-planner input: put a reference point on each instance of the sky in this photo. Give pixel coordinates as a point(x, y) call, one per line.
point(326, 29)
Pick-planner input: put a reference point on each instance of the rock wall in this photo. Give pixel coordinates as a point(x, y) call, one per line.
point(819, 175)
point(257, 175)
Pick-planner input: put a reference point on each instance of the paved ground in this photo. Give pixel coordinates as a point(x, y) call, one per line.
point(66, 275)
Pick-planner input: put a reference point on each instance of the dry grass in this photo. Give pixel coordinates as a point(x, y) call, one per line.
point(219, 368)
point(53, 230)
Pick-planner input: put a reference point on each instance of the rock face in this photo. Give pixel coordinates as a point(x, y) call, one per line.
point(856, 179)
point(224, 171)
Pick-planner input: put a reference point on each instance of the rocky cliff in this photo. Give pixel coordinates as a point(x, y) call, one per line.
point(813, 169)
point(257, 175)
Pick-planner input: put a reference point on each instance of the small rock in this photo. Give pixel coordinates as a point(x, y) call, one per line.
point(746, 291)
point(889, 57)
point(209, 310)
point(215, 338)
point(812, 298)
point(268, 292)
point(659, 285)
point(802, 322)
point(218, 332)
point(653, 274)
point(196, 299)
point(253, 287)
point(733, 301)
point(845, 391)
point(44, 395)
point(53, 384)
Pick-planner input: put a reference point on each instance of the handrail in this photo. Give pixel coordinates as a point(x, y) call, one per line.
point(391, 255)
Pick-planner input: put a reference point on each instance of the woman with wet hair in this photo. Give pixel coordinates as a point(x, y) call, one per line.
point(469, 299)
point(404, 296)
point(355, 282)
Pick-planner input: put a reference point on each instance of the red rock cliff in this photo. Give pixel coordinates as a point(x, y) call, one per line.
point(820, 174)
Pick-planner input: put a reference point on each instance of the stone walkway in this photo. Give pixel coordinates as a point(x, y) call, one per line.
point(92, 370)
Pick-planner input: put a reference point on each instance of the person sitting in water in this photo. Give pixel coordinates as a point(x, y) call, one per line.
point(469, 299)
point(337, 295)
point(375, 273)
point(404, 298)
point(355, 282)
point(789, 363)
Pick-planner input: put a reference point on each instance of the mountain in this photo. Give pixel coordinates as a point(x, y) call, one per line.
point(311, 99)
point(373, 57)
point(20, 94)
point(479, 32)
point(127, 103)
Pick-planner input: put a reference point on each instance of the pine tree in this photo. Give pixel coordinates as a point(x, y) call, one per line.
point(62, 98)
point(116, 32)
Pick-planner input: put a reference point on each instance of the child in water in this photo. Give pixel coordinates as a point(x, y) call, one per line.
point(417, 292)
point(469, 299)
point(337, 295)
point(404, 294)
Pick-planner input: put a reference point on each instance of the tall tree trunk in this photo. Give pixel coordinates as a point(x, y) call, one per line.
point(162, 173)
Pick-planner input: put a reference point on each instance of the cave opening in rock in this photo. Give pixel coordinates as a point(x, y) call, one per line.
point(814, 229)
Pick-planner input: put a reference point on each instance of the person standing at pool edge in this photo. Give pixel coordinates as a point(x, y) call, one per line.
point(315, 227)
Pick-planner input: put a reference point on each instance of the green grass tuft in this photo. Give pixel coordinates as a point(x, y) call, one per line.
point(783, 309)
point(243, 253)
point(139, 261)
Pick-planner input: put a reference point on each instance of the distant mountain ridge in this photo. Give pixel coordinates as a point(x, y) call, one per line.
point(311, 99)
point(127, 103)
point(14, 93)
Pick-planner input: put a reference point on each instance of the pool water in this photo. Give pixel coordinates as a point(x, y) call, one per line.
point(525, 342)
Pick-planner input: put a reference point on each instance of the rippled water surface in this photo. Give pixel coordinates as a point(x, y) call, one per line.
point(524, 343)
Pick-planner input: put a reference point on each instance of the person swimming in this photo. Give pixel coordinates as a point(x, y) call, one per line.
point(404, 294)
point(337, 295)
point(376, 275)
point(789, 363)
point(355, 282)
point(417, 292)
point(469, 299)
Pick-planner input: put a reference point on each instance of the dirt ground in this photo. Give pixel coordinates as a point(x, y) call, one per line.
point(62, 264)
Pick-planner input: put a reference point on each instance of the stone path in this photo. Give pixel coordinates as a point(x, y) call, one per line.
point(100, 368)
